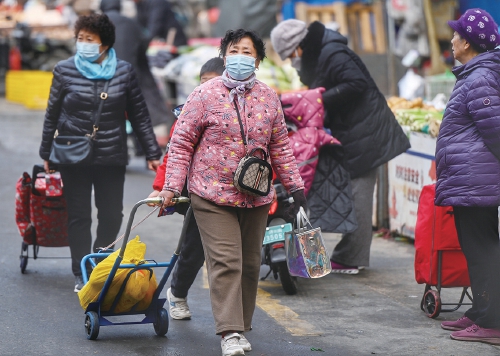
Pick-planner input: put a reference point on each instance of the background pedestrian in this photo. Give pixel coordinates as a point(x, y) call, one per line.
point(191, 257)
point(468, 169)
point(358, 116)
point(74, 97)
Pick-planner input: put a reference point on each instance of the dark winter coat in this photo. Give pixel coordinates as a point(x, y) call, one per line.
point(131, 45)
point(357, 112)
point(73, 101)
point(157, 18)
point(130, 39)
point(468, 145)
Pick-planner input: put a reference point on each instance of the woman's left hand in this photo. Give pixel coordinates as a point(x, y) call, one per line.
point(167, 196)
point(299, 200)
point(153, 164)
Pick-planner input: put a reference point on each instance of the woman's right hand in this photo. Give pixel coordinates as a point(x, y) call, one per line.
point(46, 166)
point(167, 196)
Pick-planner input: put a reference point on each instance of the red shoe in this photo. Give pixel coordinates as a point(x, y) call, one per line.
point(460, 324)
point(339, 268)
point(478, 334)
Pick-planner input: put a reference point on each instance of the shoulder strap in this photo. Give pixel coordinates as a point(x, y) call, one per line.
point(241, 124)
point(103, 96)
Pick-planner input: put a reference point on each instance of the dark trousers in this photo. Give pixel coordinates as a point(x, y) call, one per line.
point(107, 182)
point(477, 229)
point(190, 260)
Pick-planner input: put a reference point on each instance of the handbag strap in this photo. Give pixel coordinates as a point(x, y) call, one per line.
point(301, 217)
point(103, 96)
point(242, 130)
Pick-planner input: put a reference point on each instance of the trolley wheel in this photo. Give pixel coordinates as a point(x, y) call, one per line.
point(161, 322)
point(91, 325)
point(432, 303)
point(288, 282)
point(23, 263)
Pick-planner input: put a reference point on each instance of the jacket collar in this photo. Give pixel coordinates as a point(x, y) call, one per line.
point(489, 59)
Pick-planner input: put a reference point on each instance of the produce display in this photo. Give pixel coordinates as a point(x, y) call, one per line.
point(416, 115)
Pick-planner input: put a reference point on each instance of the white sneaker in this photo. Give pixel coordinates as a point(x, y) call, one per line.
point(230, 345)
point(178, 307)
point(244, 343)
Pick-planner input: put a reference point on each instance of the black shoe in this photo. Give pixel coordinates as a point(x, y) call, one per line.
point(78, 284)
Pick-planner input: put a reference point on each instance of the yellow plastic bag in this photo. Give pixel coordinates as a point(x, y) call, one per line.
point(148, 297)
point(135, 290)
point(137, 285)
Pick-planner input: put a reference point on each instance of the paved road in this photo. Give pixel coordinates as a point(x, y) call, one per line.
point(375, 312)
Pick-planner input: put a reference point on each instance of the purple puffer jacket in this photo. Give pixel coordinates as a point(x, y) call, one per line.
point(468, 145)
point(305, 110)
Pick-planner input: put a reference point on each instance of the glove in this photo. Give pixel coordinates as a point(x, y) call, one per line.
point(299, 200)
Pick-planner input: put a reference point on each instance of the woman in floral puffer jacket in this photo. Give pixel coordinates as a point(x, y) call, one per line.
point(206, 147)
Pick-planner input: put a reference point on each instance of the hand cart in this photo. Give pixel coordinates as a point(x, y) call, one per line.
point(155, 313)
point(41, 215)
point(439, 260)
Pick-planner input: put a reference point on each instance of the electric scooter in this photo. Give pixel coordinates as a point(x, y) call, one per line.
point(273, 248)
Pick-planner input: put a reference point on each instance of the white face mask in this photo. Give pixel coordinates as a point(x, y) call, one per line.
point(296, 61)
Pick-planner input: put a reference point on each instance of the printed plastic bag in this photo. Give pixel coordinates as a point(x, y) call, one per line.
point(137, 287)
point(306, 254)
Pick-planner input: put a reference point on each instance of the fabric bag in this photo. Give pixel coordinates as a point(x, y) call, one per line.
point(306, 254)
point(435, 234)
point(253, 175)
point(72, 150)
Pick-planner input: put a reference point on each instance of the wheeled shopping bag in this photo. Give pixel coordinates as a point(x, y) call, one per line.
point(41, 215)
point(439, 261)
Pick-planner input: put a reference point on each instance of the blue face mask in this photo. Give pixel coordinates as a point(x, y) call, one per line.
point(88, 51)
point(239, 66)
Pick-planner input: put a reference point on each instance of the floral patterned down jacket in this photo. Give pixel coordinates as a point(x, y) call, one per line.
point(207, 145)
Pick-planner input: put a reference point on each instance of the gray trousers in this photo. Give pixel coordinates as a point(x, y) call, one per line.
point(354, 247)
point(232, 240)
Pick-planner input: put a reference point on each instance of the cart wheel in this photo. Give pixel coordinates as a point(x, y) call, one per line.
point(91, 325)
point(432, 304)
point(288, 282)
point(427, 288)
point(161, 322)
point(23, 263)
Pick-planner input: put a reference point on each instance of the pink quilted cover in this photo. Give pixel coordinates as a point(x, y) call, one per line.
point(305, 110)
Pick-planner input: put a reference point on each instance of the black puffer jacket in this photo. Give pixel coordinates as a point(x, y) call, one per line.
point(357, 112)
point(74, 100)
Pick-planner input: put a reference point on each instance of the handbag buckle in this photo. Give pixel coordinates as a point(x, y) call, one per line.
point(94, 132)
point(104, 96)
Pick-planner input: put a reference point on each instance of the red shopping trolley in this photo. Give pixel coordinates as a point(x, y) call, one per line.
point(439, 261)
point(41, 215)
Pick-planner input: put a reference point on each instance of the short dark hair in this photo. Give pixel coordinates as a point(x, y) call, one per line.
point(235, 36)
point(98, 24)
point(215, 65)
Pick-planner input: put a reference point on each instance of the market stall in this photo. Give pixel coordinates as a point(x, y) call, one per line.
point(33, 39)
point(410, 171)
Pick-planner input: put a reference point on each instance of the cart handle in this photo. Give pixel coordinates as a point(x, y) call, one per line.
point(159, 200)
point(156, 201)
